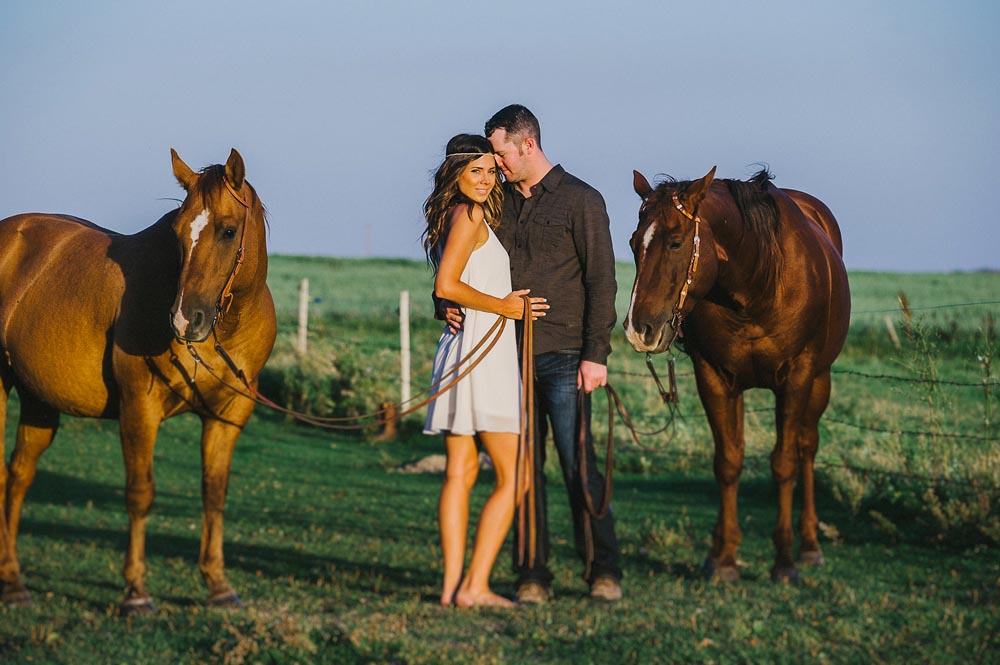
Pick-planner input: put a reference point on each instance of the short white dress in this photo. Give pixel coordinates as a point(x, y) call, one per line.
point(488, 399)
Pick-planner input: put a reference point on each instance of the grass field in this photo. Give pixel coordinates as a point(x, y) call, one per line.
point(334, 551)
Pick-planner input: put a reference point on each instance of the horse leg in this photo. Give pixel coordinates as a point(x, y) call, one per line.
point(789, 411)
point(138, 438)
point(36, 428)
point(217, 442)
point(9, 570)
point(809, 550)
point(10, 573)
point(725, 417)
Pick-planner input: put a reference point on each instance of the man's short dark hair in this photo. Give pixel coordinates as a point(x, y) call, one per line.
point(515, 119)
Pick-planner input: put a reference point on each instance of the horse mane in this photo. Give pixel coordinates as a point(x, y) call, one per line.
point(758, 208)
point(214, 177)
point(760, 213)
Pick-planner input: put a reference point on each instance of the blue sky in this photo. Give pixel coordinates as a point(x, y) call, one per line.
point(888, 111)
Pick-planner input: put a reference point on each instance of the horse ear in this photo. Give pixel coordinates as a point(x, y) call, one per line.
point(235, 170)
point(640, 184)
point(185, 176)
point(696, 191)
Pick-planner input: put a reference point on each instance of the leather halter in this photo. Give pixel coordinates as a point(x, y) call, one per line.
point(226, 297)
point(676, 317)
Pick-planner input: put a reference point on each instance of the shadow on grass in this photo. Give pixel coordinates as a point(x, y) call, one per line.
point(270, 561)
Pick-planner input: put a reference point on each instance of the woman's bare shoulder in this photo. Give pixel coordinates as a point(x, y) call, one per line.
point(465, 211)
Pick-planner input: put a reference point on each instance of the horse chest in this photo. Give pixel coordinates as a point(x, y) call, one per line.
point(744, 355)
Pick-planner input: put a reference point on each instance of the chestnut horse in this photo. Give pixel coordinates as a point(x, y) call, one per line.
point(98, 324)
point(751, 278)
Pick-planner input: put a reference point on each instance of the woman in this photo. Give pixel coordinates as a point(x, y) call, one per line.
point(473, 270)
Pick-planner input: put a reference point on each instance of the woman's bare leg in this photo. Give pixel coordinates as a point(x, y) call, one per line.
point(453, 508)
point(494, 523)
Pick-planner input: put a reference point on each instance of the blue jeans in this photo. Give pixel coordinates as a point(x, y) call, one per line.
point(556, 407)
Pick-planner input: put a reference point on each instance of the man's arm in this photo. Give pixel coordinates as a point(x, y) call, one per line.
point(592, 236)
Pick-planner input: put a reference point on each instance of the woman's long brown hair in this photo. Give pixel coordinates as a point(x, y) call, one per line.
point(460, 152)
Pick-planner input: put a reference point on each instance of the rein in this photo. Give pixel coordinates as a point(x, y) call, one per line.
point(250, 392)
point(615, 404)
point(524, 485)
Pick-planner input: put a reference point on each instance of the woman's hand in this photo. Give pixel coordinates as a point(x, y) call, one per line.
point(513, 305)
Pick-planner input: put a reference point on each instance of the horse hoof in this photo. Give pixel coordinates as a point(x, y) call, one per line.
point(786, 575)
point(225, 600)
point(17, 597)
point(811, 558)
point(136, 606)
point(716, 573)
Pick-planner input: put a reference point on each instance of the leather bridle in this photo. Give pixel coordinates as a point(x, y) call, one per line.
point(676, 317)
point(226, 297)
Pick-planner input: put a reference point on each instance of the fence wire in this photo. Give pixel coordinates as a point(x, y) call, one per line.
point(930, 480)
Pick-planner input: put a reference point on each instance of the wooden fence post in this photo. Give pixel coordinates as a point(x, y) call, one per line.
point(303, 315)
point(404, 346)
point(391, 411)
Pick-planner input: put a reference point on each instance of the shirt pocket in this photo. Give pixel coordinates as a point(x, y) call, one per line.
point(554, 233)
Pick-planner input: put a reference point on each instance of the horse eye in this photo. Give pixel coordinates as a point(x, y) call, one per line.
point(229, 233)
point(676, 244)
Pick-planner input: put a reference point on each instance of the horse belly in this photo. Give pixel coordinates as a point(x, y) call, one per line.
point(57, 299)
point(61, 371)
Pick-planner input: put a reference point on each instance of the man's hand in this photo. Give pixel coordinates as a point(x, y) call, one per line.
point(455, 317)
point(446, 310)
point(591, 376)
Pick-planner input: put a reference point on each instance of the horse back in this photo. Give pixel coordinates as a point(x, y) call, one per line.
point(820, 214)
point(815, 277)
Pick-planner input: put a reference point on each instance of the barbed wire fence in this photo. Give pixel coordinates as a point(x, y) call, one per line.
point(932, 383)
point(658, 428)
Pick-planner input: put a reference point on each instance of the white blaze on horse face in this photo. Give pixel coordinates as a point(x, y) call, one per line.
point(198, 224)
point(647, 239)
point(180, 323)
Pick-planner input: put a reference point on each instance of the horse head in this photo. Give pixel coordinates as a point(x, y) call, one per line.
point(675, 261)
point(214, 226)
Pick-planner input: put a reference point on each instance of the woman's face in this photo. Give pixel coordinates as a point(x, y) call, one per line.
point(478, 179)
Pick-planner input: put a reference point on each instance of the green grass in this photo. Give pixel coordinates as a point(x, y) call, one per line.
point(335, 553)
point(336, 557)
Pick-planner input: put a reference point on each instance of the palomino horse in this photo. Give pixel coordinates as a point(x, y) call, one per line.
point(751, 277)
point(98, 324)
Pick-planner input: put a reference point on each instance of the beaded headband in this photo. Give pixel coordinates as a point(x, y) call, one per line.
point(467, 154)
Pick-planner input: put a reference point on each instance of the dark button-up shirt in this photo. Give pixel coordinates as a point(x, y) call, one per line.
point(559, 242)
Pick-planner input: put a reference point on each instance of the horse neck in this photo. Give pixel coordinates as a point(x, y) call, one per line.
point(737, 277)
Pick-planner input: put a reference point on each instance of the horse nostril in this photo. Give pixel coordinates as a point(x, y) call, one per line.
point(646, 333)
point(199, 319)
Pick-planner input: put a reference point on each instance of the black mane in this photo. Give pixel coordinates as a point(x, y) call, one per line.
point(754, 199)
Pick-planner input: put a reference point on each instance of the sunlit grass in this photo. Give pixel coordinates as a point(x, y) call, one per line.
point(335, 553)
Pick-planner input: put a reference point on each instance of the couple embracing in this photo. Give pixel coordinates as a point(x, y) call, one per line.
point(546, 233)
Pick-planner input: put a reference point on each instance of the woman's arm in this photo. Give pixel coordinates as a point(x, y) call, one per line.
point(463, 236)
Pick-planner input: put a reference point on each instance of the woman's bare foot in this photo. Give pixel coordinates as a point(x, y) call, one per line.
point(465, 598)
point(448, 598)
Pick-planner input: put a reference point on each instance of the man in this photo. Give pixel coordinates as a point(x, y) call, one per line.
point(556, 230)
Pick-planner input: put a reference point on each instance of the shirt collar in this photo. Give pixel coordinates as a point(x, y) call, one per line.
point(551, 180)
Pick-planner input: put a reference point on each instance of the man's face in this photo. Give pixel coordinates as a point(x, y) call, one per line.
point(509, 151)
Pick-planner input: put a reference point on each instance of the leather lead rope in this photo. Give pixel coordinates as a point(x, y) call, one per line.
point(527, 531)
point(253, 394)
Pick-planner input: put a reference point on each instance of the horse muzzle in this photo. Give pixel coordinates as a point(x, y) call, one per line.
point(649, 338)
point(195, 329)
